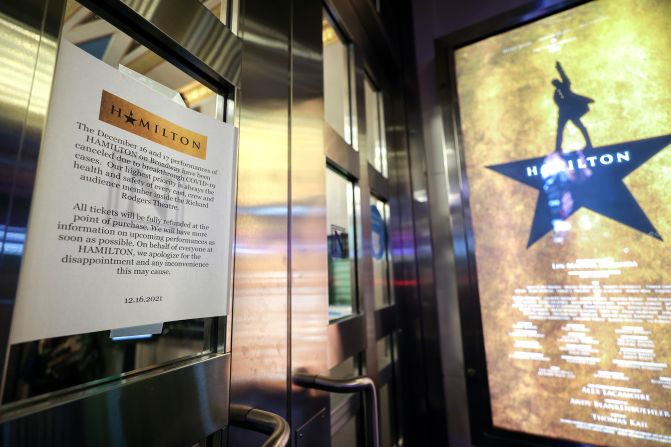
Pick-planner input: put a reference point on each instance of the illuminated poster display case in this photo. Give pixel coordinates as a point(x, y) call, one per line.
point(560, 120)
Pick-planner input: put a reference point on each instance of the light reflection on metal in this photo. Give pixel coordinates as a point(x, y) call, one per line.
point(132, 337)
point(280, 210)
point(19, 64)
point(421, 196)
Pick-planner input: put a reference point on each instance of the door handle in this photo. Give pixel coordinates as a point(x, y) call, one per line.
point(362, 384)
point(261, 421)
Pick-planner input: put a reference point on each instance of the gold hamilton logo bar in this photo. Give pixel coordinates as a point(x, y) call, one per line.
point(127, 116)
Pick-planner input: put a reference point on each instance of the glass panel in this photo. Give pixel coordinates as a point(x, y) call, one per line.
point(375, 135)
point(52, 364)
point(341, 239)
point(384, 352)
point(373, 138)
point(379, 216)
point(48, 365)
point(337, 108)
point(112, 46)
point(383, 135)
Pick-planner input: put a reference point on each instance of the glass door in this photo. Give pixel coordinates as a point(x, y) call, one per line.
point(166, 381)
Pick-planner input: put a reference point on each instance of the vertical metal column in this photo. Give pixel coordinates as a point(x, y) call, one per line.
point(308, 257)
point(260, 332)
point(365, 255)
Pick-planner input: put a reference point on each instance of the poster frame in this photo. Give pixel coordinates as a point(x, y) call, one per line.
point(482, 430)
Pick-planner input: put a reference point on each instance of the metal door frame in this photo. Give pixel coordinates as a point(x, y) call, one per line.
point(372, 56)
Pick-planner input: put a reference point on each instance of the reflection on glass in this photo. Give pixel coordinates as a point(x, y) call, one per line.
point(559, 177)
point(341, 240)
point(49, 365)
point(52, 364)
point(337, 85)
point(375, 138)
point(112, 46)
point(379, 217)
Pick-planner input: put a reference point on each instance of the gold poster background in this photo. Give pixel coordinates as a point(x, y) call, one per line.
point(157, 129)
point(619, 54)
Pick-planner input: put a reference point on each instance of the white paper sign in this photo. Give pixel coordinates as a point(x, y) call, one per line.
point(132, 215)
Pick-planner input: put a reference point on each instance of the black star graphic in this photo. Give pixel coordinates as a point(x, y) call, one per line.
point(130, 119)
point(599, 188)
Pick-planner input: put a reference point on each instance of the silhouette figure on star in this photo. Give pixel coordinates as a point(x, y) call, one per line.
point(571, 108)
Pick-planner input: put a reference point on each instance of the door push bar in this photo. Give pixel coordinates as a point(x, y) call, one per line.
point(362, 384)
point(263, 422)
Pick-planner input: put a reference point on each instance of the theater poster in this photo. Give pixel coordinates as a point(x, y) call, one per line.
point(565, 127)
